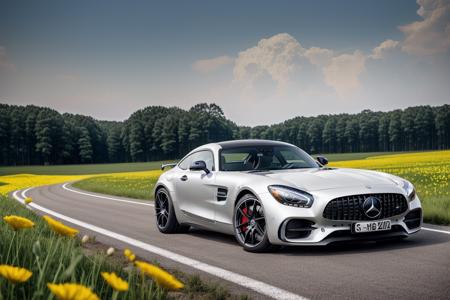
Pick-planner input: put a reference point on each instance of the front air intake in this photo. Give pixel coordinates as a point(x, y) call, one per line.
point(413, 219)
point(296, 229)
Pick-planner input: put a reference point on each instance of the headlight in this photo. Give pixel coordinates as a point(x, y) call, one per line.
point(409, 189)
point(290, 196)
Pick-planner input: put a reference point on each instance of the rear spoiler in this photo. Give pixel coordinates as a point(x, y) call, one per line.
point(163, 166)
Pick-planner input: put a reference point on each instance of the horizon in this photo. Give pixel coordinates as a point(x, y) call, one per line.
point(281, 60)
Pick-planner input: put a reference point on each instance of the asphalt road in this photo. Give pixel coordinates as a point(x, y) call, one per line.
point(414, 268)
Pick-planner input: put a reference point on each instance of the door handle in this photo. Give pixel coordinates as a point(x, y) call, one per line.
point(184, 178)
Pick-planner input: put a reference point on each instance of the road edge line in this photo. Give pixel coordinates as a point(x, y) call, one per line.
point(64, 186)
point(244, 281)
point(436, 230)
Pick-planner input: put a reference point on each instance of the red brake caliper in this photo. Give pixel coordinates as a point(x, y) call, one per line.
point(244, 219)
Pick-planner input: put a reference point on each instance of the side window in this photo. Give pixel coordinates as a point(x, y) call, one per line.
point(206, 156)
point(184, 164)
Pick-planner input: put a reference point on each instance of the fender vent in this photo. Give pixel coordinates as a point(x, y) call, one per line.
point(222, 194)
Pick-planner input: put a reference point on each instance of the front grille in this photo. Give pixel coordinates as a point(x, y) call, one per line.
point(350, 207)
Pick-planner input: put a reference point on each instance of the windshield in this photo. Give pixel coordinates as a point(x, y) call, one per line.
point(263, 158)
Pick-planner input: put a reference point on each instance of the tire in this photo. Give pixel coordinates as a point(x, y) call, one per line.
point(166, 220)
point(250, 225)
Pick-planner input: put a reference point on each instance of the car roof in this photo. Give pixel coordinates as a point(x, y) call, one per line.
point(250, 143)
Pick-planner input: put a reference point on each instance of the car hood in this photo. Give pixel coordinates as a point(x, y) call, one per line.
point(329, 178)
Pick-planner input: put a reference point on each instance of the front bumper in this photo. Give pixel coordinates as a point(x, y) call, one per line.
point(322, 231)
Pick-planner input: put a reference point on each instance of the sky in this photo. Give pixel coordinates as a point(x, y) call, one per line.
point(261, 61)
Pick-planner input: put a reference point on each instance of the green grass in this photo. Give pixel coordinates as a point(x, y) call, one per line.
point(49, 257)
point(137, 188)
point(436, 210)
point(82, 169)
point(53, 258)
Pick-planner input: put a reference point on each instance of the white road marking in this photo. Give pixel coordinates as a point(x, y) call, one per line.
point(436, 230)
point(64, 186)
point(256, 285)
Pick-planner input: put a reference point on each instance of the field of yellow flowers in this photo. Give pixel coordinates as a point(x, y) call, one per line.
point(428, 171)
point(137, 185)
point(9, 183)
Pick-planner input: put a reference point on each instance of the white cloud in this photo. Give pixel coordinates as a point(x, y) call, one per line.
point(274, 56)
point(5, 64)
point(379, 51)
point(281, 55)
point(431, 35)
point(212, 64)
point(343, 72)
point(319, 56)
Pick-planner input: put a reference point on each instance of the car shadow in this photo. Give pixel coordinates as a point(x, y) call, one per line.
point(417, 241)
point(421, 239)
point(213, 236)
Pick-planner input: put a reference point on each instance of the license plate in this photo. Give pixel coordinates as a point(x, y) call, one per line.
point(371, 226)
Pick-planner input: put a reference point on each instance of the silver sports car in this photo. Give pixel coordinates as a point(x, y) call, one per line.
point(269, 193)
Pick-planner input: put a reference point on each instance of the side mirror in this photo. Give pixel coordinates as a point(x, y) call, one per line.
point(199, 165)
point(322, 160)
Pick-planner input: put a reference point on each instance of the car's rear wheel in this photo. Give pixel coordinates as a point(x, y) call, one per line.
point(250, 224)
point(166, 220)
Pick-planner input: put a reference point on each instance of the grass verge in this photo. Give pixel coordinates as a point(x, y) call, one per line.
point(137, 185)
point(57, 259)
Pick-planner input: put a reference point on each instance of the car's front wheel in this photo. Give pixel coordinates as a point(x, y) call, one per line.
point(166, 220)
point(250, 224)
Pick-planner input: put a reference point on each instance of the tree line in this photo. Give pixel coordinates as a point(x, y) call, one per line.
point(32, 135)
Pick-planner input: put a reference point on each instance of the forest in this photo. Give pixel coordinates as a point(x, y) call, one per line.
point(31, 135)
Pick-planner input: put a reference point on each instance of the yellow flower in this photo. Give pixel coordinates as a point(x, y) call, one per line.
point(72, 291)
point(28, 200)
point(161, 277)
point(15, 274)
point(17, 222)
point(129, 255)
point(115, 281)
point(60, 228)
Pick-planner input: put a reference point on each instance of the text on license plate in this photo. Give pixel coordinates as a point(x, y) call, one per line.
point(372, 226)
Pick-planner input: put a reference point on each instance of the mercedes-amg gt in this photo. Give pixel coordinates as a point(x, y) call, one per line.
point(269, 193)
